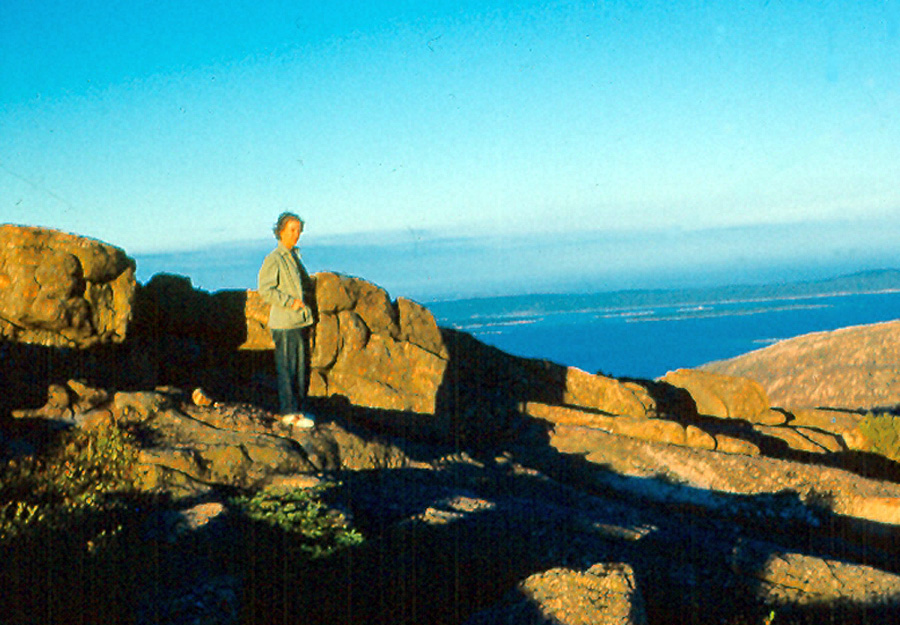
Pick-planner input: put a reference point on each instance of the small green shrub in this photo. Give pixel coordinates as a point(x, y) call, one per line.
point(71, 518)
point(74, 478)
point(302, 513)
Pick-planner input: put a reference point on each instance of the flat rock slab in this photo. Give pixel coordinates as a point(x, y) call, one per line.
point(604, 594)
point(671, 473)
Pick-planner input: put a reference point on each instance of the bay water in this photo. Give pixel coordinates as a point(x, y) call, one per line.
point(648, 340)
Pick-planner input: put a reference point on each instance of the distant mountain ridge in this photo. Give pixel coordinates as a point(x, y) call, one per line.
point(873, 281)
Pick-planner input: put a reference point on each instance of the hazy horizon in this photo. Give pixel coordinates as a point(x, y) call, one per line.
point(430, 265)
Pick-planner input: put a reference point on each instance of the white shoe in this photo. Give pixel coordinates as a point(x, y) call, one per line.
point(298, 420)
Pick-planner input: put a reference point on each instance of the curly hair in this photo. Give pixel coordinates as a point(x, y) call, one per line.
point(283, 218)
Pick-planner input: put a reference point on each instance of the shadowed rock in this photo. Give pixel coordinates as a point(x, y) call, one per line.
point(670, 473)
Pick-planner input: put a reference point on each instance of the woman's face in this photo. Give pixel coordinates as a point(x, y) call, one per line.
point(290, 233)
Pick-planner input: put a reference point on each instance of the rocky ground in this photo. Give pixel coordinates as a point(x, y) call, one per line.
point(488, 488)
point(521, 532)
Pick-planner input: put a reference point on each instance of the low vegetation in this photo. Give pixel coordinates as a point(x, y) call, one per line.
point(883, 431)
point(319, 531)
point(78, 537)
point(68, 516)
point(83, 474)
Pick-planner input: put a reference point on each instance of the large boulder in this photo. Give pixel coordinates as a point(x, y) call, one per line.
point(607, 394)
point(365, 347)
point(725, 397)
point(375, 352)
point(63, 290)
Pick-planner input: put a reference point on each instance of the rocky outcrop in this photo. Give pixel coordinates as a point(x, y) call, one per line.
point(577, 497)
point(62, 290)
point(371, 350)
point(851, 368)
point(377, 353)
point(717, 412)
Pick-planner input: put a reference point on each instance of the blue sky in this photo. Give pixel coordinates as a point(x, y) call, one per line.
point(169, 125)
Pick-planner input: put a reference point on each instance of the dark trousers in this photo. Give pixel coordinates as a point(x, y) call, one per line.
point(290, 364)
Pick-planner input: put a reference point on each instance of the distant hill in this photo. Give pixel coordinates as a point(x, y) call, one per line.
point(852, 368)
point(860, 282)
point(856, 283)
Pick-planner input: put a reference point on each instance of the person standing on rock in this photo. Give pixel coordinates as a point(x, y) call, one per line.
point(282, 283)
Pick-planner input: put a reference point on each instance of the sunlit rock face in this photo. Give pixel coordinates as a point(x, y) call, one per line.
point(373, 351)
point(62, 290)
point(849, 368)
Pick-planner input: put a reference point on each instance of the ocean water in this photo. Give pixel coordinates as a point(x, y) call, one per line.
point(649, 340)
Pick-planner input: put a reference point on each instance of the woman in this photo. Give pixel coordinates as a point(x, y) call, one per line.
point(282, 282)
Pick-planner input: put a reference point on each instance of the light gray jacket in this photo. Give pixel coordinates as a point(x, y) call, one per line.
point(281, 281)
